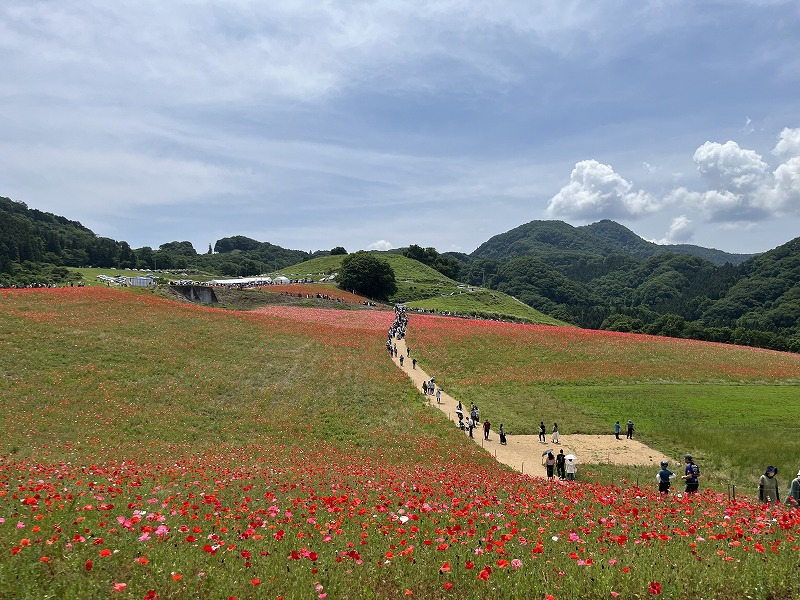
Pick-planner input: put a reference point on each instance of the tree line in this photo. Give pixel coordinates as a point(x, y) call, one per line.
point(755, 303)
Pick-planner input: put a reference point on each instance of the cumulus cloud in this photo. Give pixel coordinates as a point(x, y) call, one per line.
point(681, 231)
point(786, 191)
point(788, 143)
point(727, 166)
point(595, 190)
point(380, 245)
point(741, 185)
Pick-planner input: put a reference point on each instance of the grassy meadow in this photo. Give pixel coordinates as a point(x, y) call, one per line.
point(734, 408)
point(155, 449)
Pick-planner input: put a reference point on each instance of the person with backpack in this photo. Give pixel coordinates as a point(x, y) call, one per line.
point(692, 475)
point(664, 477)
point(768, 486)
point(630, 430)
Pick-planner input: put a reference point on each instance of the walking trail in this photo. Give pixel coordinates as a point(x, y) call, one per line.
point(524, 452)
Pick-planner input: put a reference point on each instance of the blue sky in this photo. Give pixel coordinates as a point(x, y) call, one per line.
point(380, 124)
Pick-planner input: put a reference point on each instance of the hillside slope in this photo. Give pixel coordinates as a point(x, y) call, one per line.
point(422, 287)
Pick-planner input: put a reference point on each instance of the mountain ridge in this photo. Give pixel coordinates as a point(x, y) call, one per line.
point(603, 237)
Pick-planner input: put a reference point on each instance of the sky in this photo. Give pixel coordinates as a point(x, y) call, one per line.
point(375, 125)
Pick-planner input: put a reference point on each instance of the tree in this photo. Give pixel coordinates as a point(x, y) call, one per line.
point(338, 250)
point(367, 274)
point(446, 265)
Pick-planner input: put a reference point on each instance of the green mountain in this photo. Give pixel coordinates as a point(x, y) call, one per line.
point(603, 276)
point(604, 238)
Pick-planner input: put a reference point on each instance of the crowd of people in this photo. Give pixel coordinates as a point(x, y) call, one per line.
point(563, 464)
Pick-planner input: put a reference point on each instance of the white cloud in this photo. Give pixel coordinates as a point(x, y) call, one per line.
point(380, 245)
point(595, 190)
point(785, 194)
point(681, 231)
point(742, 186)
point(788, 143)
point(730, 167)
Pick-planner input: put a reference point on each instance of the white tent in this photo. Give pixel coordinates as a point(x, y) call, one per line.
point(280, 279)
point(241, 281)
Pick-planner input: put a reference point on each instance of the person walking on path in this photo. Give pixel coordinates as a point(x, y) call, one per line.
point(414, 366)
point(692, 475)
point(549, 463)
point(425, 388)
point(486, 427)
point(616, 429)
point(556, 437)
point(401, 360)
point(630, 430)
point(560, 465)
point(571, 469)
point(768, 486)
point(542, 432)
point(438, 395)
point(470, 426)
point(793, 497)
point(664, 476)
point(502, 435)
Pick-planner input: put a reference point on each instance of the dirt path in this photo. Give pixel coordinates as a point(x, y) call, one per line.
point(524, 452)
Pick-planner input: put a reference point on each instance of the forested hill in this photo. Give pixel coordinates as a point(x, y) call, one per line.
point(602, 281)
point(36, 247)
point(604, 238)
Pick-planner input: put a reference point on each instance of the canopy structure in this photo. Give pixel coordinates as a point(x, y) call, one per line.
point(241, 281)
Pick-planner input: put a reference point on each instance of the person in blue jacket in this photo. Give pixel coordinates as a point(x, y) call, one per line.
point(692, 475)
point(664, 477)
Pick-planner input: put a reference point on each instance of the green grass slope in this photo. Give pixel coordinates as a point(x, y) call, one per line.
point(421, 287)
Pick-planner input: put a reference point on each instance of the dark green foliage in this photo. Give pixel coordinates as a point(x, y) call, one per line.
point(446, 265)
point(183, 248)
point(603, 275)
point(367, 274)
point(237, 242)
point(338, 250)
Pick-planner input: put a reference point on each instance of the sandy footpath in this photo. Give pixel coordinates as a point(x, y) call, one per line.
point(524, 452)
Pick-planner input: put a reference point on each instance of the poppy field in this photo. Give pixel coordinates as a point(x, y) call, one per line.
point(154, 449)
point(312, 289)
